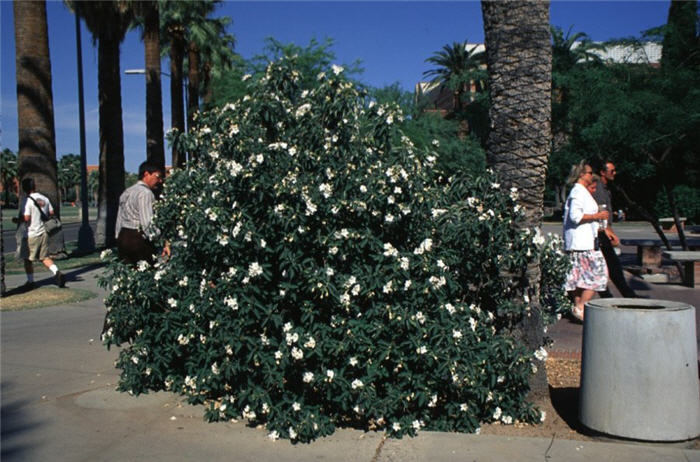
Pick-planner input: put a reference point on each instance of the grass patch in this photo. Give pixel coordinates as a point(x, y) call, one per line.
point(74, 260)
point(43, 297)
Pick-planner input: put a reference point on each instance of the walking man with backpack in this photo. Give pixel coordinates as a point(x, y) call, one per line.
point(37, 209)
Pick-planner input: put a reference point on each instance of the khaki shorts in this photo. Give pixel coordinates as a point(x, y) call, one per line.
point(38, 247)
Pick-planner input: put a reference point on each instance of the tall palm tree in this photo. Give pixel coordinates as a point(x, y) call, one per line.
point(108, 23)
point(217, 55)
point(459, 65)
point(35, 122)
point(519, 60)
point(147, 17)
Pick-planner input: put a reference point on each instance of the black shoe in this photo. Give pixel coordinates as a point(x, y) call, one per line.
point(29, 285)
point(60, 279)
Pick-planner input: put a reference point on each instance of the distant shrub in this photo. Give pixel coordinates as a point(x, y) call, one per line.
point(326, 272)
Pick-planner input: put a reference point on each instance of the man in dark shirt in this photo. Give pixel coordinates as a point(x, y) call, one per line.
point(607, 237)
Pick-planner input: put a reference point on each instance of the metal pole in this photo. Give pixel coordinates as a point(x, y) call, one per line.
point(86, 239)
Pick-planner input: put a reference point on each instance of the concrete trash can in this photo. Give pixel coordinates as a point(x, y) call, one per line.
point(639, 369)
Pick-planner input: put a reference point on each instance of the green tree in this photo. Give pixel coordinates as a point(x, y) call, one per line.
point(8, 166)
point(35, 119)
point(518, 46)
point(459, 67)
point(69, 176)
point(108, 23)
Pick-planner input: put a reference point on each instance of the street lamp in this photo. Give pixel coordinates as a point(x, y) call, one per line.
point(86, 239)
point(173, 123)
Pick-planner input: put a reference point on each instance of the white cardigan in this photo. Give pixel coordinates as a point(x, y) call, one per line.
point(577, 235)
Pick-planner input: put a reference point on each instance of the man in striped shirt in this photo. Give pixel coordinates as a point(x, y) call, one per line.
point(133, 228)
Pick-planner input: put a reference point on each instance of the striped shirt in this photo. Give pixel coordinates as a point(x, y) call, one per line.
point(136, 209)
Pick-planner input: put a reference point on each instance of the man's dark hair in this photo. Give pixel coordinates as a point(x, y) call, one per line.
point(149, 167)
point(603, 165)
point(28, 185)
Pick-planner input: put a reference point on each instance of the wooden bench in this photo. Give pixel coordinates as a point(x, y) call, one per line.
point(669, 224)
point(688, 258)
point(649, 249)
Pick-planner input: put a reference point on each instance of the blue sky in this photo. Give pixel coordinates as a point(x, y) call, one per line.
point(392, 39)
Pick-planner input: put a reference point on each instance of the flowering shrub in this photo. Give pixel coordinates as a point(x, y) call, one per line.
point(324, 271)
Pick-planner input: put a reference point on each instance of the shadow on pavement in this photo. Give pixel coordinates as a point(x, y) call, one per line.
point(14, 424)
point(565, 402)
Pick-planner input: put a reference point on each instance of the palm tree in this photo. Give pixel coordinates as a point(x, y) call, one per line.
point(108, 23)
point(147, 17)
point(35, 122)
point(217, 55)
point(519, 60)
point(459, 66)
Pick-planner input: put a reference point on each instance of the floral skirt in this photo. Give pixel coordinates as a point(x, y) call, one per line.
point(588, 271)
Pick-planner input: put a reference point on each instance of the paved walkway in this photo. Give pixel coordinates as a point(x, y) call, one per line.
point(59, 404)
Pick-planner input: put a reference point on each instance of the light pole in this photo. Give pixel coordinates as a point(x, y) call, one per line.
point(174, 120)
point(86, 239)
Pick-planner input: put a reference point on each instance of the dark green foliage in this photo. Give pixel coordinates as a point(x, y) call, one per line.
point(326, 271)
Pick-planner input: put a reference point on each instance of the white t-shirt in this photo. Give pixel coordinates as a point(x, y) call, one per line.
point(577, 235)
point(36, 225)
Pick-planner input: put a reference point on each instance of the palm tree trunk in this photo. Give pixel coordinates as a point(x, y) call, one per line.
point(35, 121)
point(193, 83)
point(177, 52)
point(155, 152)
point(518, 53)
point(111, 168)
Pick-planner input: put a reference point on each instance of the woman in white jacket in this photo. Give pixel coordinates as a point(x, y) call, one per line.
point(588, 273)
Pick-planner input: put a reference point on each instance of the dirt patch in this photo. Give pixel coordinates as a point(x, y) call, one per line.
point(562, 421)
point(43, 297)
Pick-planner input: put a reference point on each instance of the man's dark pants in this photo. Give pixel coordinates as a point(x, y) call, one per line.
point(614, 268)
point(133, 247)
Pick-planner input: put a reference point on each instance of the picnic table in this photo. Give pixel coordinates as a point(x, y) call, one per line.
point(688, 258)
point(649, 249)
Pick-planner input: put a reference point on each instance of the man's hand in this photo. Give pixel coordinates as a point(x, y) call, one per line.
point(614, 240)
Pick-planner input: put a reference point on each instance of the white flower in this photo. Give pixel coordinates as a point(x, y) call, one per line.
point(541, 354)
point(287, 327)
point(292, 433)
point(538, 238)
point(142, 265)
point(353, 361)
point(420, 317)
point(363, 189)
point(278, 355)
point(543, 416)
point(211, 214)
point(396, 426)
point(296, 407)
point(215, 369)
point(450, 308)
point(433, 401)
point(330, 374)
point(246, 77)
point(495, 185)
point(172, 302)
point(407, 284)
point(308, 377)
point(388, 287)
point(424, 246)
point(405, 263)
point(389, 218)
point(303, 109)
point(222, 239)
point(472, 324)
point(457, 334)
point(105, 254)
point(390, 119)
point(497, 413)
point(437, 282)
point(311, 343)
point(229, 350)
point(297, 353)
point(183, 282)
point(421, 350)
point(463, 407)
point(506, 419)
point(514, 193)
point(134, 359)
point(357, 383)
point(273, 435)
point(183, 340)
point(254, 269)
point(436, 143)
point(337, 69)
point(291, 338)
point(437, 212)
point(231, 302)
point(417, 424)
point(326, 190)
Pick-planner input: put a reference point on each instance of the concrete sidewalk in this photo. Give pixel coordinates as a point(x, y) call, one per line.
point(59, 404)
